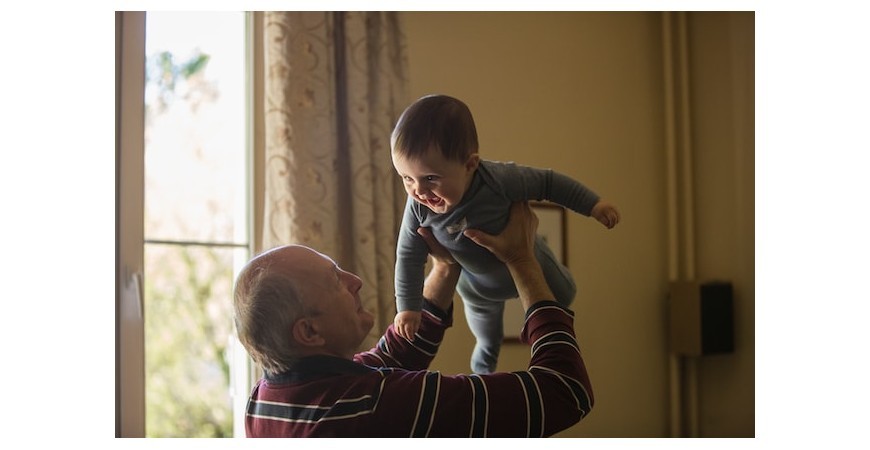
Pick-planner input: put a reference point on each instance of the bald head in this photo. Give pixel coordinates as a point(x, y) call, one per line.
point(293, 301)
point(268, 300)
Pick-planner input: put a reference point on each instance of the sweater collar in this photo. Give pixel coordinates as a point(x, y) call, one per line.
point(316, 367)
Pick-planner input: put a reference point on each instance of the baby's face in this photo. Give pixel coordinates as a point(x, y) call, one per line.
point(435, 182)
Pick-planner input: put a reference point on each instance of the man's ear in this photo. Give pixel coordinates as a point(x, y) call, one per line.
point(305, 333)
point(472, 162)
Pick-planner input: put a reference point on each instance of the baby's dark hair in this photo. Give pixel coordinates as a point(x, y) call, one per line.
point(437, 120)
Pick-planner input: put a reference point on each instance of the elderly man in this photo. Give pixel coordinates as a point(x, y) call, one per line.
point(300, 318)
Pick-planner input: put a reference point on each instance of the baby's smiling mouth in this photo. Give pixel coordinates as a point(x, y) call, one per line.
point(434, 201)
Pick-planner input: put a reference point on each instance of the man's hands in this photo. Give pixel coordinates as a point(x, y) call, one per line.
point(515, 247)
point(437, 251)
point(517, 241)
point(606, 213)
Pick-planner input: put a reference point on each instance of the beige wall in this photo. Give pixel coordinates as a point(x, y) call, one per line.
point(583, 93)
point(722, 59)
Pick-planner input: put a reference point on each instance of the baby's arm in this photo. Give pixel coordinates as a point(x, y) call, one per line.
point(532, 183)
point(408, 322)
point(411, 254)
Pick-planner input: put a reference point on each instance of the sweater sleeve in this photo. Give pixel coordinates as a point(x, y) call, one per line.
point(411, 254)
point(553, 394)
point(393, 350)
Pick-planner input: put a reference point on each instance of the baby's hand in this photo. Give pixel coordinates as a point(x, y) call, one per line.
point(407, 323)
point(606, 213)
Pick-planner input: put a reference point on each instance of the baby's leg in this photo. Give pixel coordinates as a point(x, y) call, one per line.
point(485, 319)
point(558, 276)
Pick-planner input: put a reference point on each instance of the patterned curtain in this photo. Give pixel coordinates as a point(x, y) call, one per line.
point(335, 84)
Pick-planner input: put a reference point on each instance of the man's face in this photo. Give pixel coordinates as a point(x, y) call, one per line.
point(434, 181)
point(331, 299)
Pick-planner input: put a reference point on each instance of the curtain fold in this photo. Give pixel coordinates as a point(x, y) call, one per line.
point(334, 84)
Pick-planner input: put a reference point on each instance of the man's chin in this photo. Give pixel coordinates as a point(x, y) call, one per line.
point(367, 320)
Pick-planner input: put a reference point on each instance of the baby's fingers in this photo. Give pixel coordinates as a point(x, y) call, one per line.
point(405, 331)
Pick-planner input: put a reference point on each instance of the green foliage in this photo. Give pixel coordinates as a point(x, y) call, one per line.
point(187, 325)
point(166, 76)
point(188, 320)
point(194, 65)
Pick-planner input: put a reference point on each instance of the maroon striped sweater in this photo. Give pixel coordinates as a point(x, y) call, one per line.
point(387, 391)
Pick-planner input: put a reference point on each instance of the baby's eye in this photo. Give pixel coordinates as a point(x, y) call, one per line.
point(431, 178)
point(407, 179)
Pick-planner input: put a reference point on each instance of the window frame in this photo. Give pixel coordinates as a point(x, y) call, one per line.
point(130, 415)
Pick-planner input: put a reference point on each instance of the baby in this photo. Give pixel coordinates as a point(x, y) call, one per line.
point(450, 188)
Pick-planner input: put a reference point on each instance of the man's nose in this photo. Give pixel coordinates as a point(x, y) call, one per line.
point(355, 283)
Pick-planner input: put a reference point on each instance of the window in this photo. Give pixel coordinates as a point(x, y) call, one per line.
point(195, 211)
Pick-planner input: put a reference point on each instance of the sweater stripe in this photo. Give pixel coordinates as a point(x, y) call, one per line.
point(534, 408)
point(480, 406)
point(578, 391)
point(425, 346)
point(555, 337)
point(426, 409)
point(289, 412)
point(385, 352)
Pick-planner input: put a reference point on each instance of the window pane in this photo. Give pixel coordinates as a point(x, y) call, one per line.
point(188, 321)
point(195, 197)
point(195, 125)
